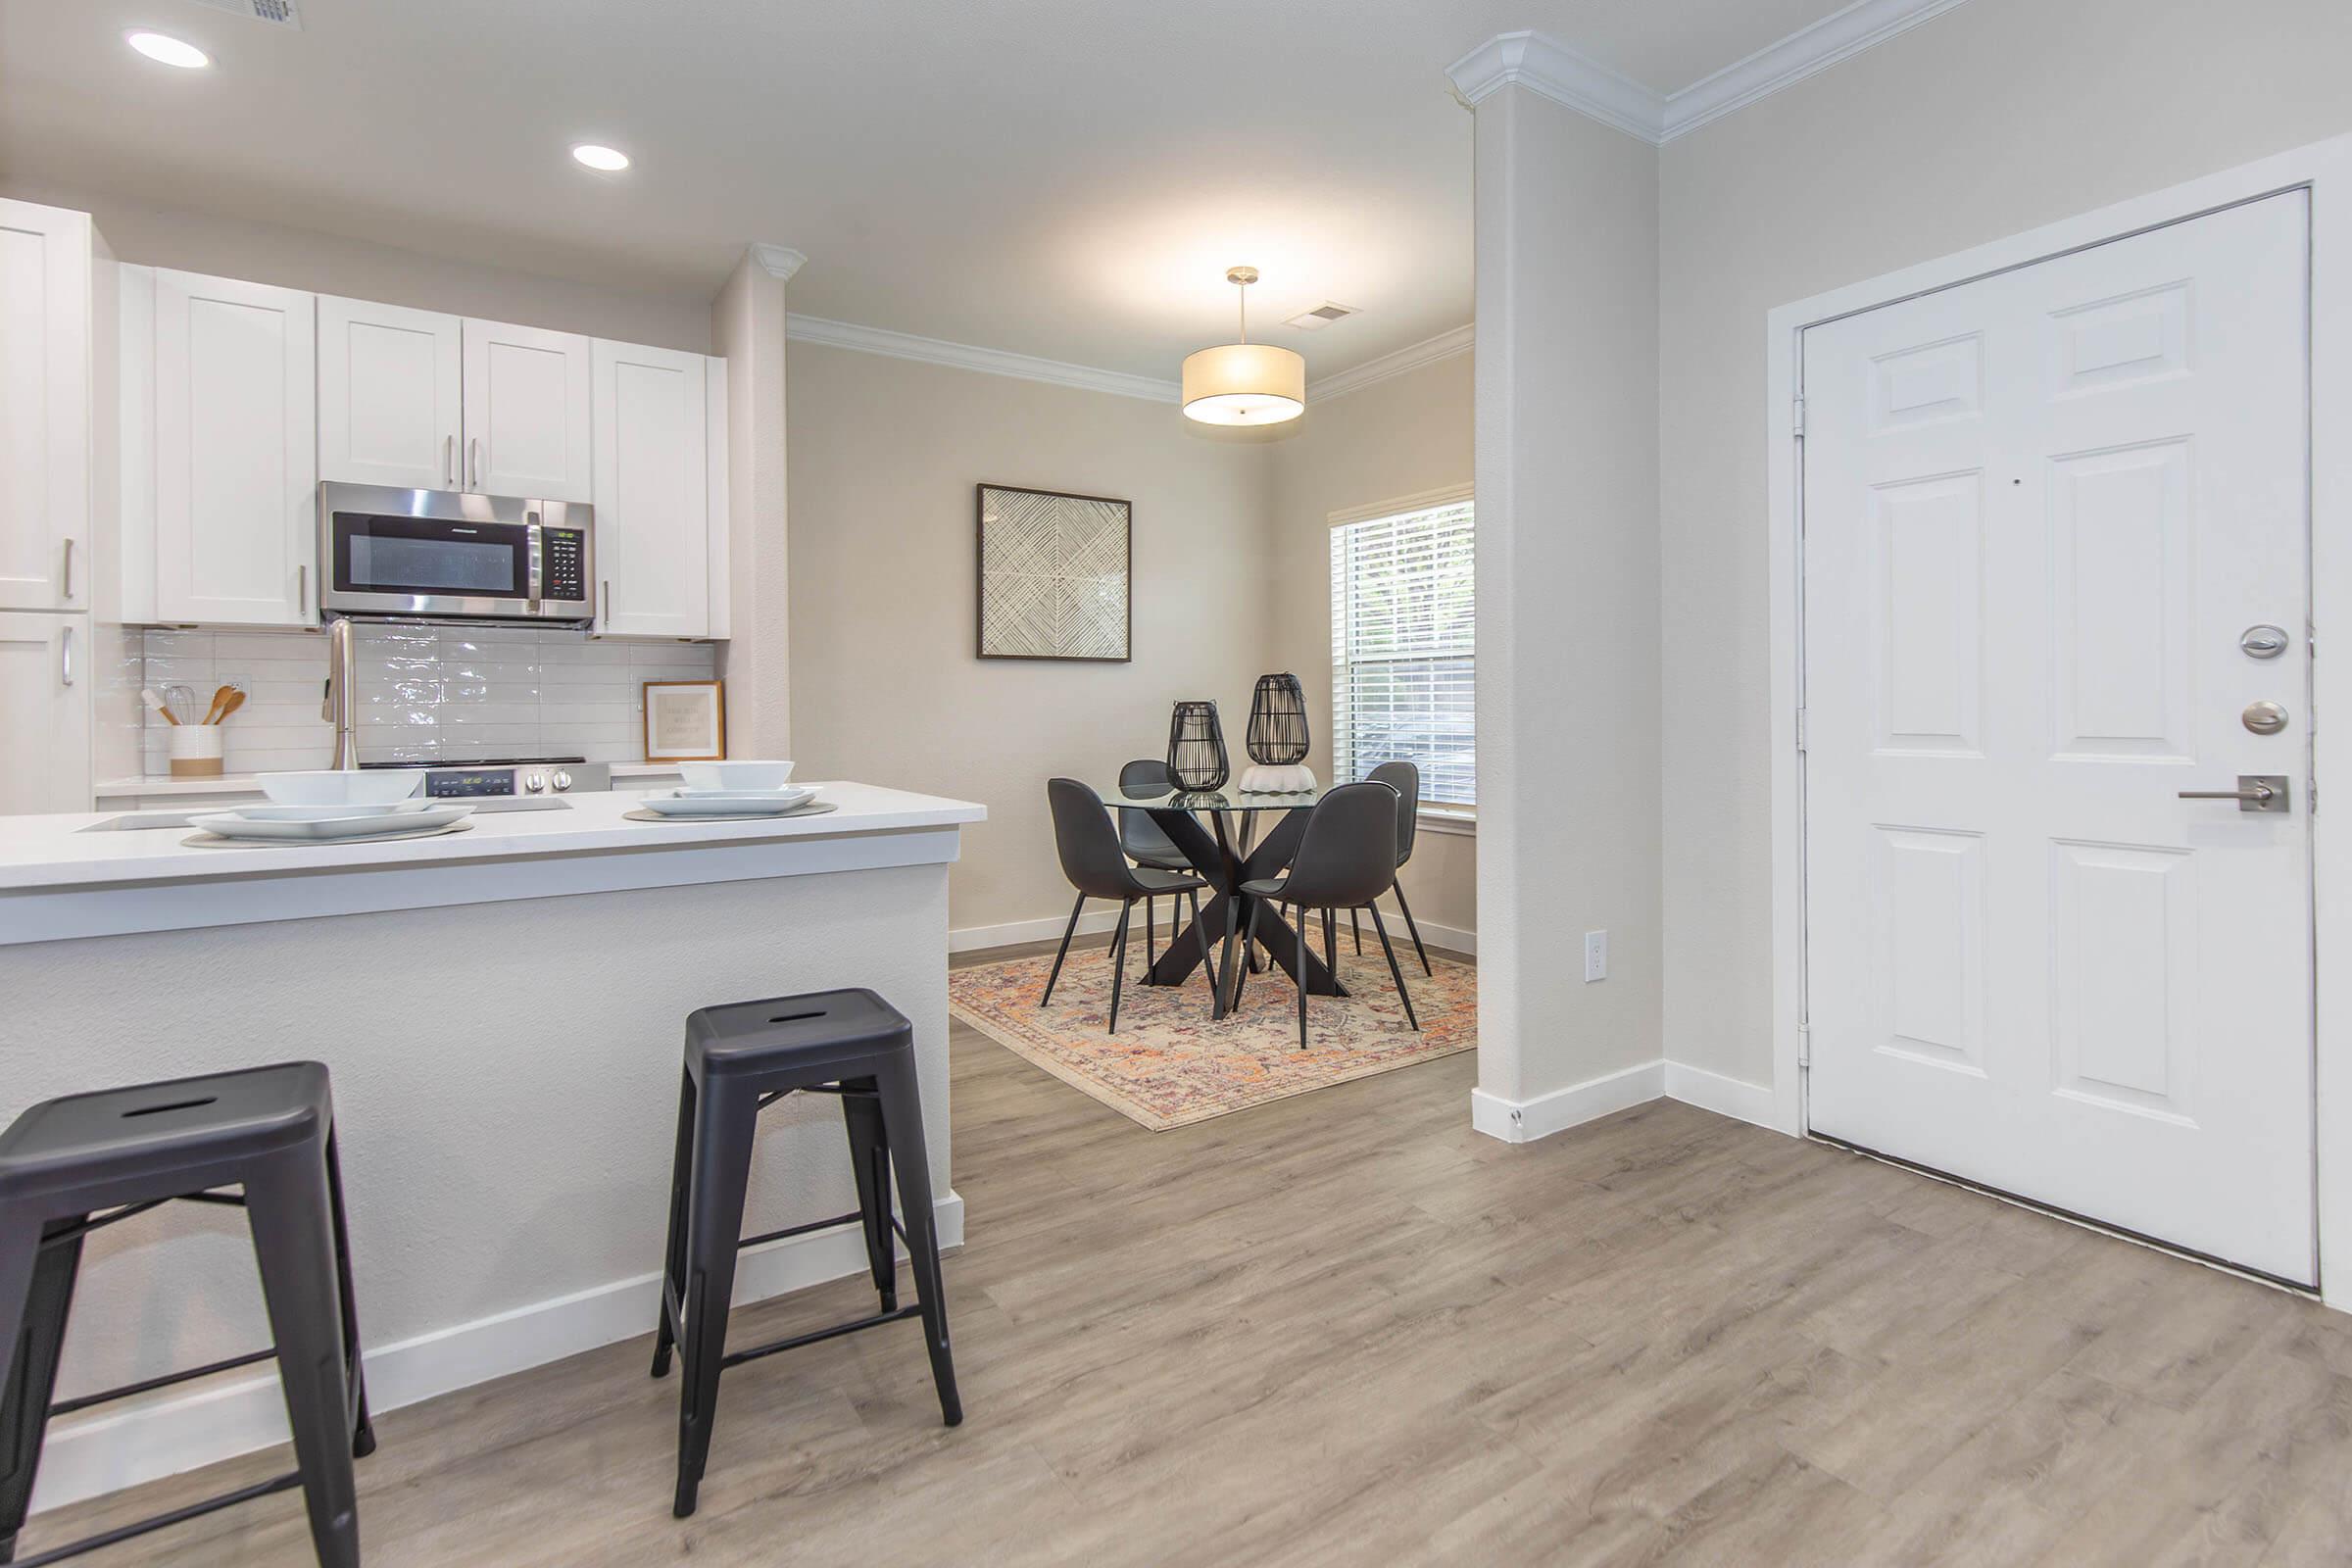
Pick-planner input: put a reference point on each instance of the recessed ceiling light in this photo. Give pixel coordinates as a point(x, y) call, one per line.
point(606, 159)
point(171, 51)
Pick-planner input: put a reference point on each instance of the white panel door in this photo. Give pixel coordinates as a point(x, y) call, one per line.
point(44, 714)
point(526, 412)
point(44, 408)
point(2039, 510)
point(653, 515)
point(389, 390)
point(236, 451)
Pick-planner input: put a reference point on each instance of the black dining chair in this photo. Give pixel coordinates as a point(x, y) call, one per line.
point(1405, 779)
point(1146, 842)
point(1094, 861)
point(1345, 859)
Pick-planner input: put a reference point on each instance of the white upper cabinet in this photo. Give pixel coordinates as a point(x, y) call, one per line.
point(526, 412)
point(389, 389)
point(653, 515)
point(45, 421)
point(236, 452)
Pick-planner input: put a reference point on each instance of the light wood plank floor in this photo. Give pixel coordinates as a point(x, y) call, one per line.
point(1346, 1329)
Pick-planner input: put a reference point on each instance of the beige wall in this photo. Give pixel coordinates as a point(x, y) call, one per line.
point(884, 454)
point(1568, 718)
point(1403, 436)
point(327, 264)
point(1996, 117)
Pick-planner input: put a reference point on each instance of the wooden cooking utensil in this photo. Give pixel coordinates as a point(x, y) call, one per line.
point(234, 701)
point(220, 696)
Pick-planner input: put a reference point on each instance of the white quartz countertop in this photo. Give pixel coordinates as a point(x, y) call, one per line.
point(51, 853)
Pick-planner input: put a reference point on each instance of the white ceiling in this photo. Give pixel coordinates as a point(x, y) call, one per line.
point(1065, 178)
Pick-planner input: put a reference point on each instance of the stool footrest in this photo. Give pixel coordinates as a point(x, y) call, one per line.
point(800, 1230)
point(84, 1401)
point(161, 1521)
point(738, 1358)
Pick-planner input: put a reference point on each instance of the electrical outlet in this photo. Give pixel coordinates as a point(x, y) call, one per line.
point(1597, 955)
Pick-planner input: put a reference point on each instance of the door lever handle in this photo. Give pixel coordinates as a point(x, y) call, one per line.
point(2255, 791)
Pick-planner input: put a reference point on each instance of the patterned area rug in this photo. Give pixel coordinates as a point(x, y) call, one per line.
point(1169, 1066)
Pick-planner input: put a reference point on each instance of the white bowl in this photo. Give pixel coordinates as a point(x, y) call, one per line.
point(735, 776)
point(331, 787)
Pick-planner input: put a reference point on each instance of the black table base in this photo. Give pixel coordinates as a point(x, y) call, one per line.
point(1225, 868)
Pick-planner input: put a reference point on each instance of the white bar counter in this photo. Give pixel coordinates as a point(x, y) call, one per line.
point(503, 1010)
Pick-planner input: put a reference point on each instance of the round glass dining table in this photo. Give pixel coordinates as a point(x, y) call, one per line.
point(1225, 859)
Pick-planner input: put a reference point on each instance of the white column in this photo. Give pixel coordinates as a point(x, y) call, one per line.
point(747, 326)
point(1568, 721)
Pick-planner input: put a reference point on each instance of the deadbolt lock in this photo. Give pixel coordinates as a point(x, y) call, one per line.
point(2264, 718)
point(2263, 642)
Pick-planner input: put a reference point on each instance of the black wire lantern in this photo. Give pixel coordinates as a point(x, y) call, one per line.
point(1197, 748)
point(1277, 734)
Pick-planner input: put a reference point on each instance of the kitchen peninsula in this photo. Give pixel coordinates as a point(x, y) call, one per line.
point(502, 1008)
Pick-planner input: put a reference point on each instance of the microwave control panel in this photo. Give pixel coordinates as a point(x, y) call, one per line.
point(563, 572)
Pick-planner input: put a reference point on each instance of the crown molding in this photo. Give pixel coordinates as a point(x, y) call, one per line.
point(1545, 65)
point(778, 262)
point(967, 357)
point(1838, 37)
point(1549, 68)
point(1414, 356)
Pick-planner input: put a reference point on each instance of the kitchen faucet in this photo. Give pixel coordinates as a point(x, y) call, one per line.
point(342, 705)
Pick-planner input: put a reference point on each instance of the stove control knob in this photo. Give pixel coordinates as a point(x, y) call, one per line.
point(534, 783)
point(561, 781)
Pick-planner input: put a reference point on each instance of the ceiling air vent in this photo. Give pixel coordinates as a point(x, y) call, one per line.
point(277, 13)
point(1321, 317)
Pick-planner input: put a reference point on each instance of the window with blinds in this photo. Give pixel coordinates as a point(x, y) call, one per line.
point(1402, 648)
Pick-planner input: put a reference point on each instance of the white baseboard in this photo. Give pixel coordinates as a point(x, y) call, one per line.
point(1522, 1121)
point(1726, 1097)
point(972, 937)
point(198, 1423)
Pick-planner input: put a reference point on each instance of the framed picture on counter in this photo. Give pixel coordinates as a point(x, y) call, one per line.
point(685, 721)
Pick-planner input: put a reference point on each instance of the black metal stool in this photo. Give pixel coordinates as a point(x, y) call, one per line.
point(70, 1166)
point(741, 1058)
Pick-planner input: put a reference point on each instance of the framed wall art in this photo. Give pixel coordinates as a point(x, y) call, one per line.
point(1054, 575)
point(685, 722)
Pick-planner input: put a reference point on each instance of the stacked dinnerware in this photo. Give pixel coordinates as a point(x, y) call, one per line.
point(731, 789)
point(330, 806)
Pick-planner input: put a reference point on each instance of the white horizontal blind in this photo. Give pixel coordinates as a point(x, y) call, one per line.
point(1403, 660)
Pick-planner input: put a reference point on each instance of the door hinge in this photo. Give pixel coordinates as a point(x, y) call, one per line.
point(1797, 417)
point(1804, 1044)
point(1800, 729)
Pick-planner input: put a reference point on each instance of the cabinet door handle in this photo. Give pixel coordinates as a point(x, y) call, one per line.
point(608, 618)
point(65, 657)
point(475, 451)
point(66, 574)
point(302, 590)
point(448, 460)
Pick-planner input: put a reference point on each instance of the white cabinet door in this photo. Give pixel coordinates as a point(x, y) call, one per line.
point(2040, 511)
point(236, 451)
point(526, 412)
point(652, 515)
point(44, 408)
point(44, 714)
point(389, 384)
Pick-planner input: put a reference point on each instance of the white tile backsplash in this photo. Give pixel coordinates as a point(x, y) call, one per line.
point(427, 694)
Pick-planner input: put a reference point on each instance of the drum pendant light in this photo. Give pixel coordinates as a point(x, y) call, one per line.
point(1244, 382)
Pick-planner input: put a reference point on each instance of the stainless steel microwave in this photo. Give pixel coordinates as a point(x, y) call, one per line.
point(446, 555)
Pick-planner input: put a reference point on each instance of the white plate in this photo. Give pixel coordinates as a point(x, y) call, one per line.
point(230, 825)
point(331, 813)
point(735, 775)
point(792, 796)
point(734, 804)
